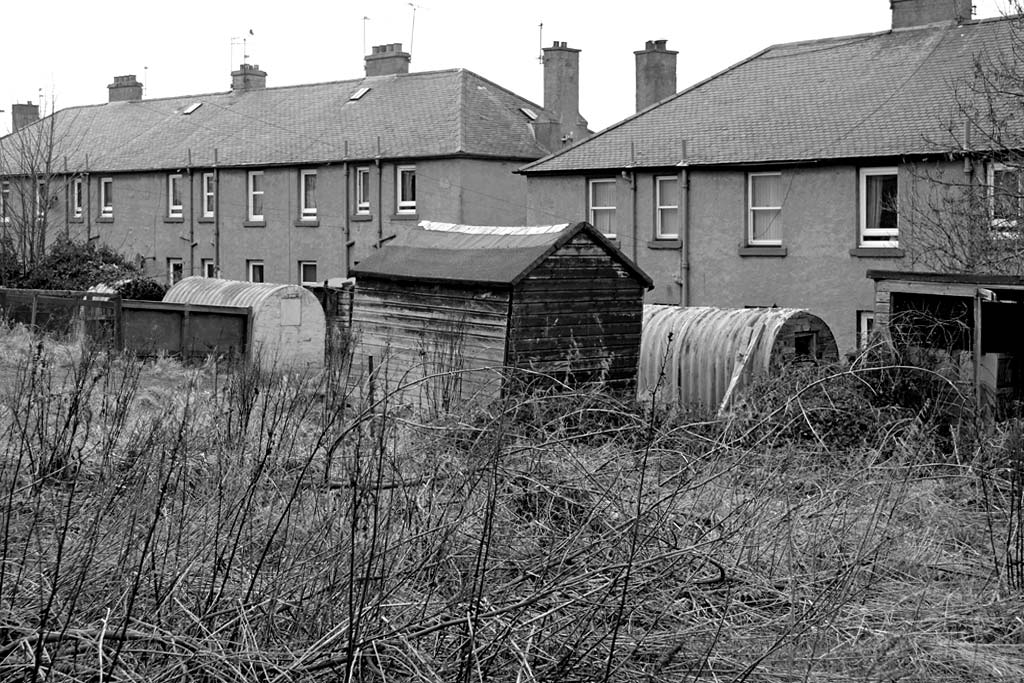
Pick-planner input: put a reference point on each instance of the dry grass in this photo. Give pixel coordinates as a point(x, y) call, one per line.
point(163, 523)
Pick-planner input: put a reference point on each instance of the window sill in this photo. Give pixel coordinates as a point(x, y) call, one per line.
point(665, 244)
point(307, 223)
point(205, 219)
point(73, 219)
point(254, 224)
point(877, 252)
point(361, 217)
point(105, 219)
point(174, 219)
point(769, 251)
point(405, 217)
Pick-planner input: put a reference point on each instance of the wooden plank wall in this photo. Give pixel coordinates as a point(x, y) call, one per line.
point(445, 344)
point(578, 317)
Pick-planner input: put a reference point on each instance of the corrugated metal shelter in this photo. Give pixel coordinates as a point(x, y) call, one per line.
point(446, 307)
point(287, 327)
point(707, 354)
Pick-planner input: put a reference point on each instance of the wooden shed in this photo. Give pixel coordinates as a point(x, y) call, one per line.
point(287, 327)
point(708, 354)
point(447, 310)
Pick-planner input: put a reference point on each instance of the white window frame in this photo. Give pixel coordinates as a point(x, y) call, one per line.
point(252, 193)
point(864, 231)
point(302, 280)
point(1005, 224)
point(865, 320)
point(41, 198)
point(307, 213)
point(660, 205)
point(251, 265)
point(5, 201)
point(209, 195)
point(106, 197)
point(77, 205)
point(592, 209)
point(363, 191)
point(174, 210)
point(209, 268)
point(752, 210)
point(171, 262)
point(403, 205)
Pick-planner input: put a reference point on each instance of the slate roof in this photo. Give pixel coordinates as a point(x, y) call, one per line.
point(871, 95)
point(469, 254)
point(416, 115)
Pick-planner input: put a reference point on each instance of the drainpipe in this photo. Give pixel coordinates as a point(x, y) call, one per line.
point(632, 193)
point(347, 209)
point(684, 233)
point(191, 218)
point(380, 196)
point(216, 215)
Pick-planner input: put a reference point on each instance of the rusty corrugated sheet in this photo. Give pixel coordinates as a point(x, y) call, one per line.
point(690, 355)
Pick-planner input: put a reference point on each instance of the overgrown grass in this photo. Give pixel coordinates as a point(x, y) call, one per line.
point(162, 523)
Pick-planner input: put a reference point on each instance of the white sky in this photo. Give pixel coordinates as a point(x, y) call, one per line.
point(70, 51)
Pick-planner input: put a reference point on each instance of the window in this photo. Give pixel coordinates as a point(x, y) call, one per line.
point(764, 204)
point(77, 198)
point(106, 197)
point(307, 193)
point(879, 219)
point(602, 206)
point(666, 191)
point(42, 202)
point(175, 270)
point(209, 268)
point(406, 186)
point(865, 326)
point(208, 195)
point(307, 273)
point(174, 205)
point(255, 270)
point(5, 201)
point(256, 196)
point(1006, 195)
point(805, 345)
point(363, 190)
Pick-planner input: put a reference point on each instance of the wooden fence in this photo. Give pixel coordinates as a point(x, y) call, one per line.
point(146, 328)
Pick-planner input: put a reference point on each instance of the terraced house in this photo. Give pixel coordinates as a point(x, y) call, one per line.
point(295, 183)
point(782, 180)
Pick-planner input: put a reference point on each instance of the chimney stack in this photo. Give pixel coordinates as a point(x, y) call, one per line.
point(125, 89)
point(655, 73)
point(386, 60)
point(908, 13)
point(248, 77)
point(561, 98)
point(23, 115)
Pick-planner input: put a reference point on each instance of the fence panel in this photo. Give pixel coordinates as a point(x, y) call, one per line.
point(185, 331)
point(62, 313)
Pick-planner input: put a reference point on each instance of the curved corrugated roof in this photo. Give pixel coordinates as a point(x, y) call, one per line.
point(214, 292)
point(693, 351)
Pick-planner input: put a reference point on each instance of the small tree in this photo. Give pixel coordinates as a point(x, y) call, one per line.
point(32, 183)
point(974, 221)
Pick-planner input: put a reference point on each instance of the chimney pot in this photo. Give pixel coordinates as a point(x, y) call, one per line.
point(248, 77)
point(908, 13)
point(23, 115)
point(655, 73)
point(125, 89)
point(385, 60)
